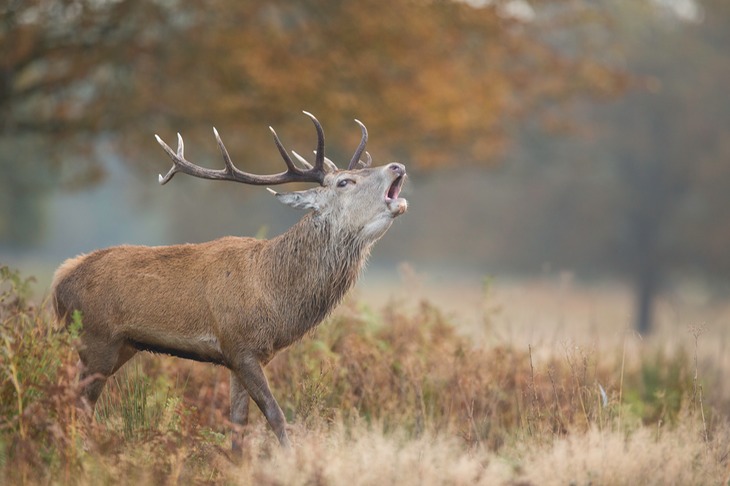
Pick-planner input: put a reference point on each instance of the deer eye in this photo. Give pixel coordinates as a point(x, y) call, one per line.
point(344, 182)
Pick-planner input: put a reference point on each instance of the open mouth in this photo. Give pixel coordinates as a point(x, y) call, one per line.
point(394, 189)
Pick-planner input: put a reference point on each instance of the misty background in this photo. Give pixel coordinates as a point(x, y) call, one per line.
point(542, 138)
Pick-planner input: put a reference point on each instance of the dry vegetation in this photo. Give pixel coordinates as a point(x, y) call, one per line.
point(388, 397)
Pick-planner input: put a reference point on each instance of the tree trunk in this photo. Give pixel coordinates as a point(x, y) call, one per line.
point(646, 224)
point(646, 289)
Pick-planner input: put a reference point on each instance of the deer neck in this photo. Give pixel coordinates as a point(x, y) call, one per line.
point(312, 266)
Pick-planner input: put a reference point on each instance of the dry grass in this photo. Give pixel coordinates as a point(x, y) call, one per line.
point(387, 397)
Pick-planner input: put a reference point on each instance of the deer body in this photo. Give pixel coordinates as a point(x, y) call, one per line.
point(233, 301)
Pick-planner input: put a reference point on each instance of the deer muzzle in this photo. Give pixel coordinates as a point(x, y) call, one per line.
point(396, 204)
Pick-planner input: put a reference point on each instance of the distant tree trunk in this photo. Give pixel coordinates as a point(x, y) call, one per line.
point(646, 223)
point(645, 292)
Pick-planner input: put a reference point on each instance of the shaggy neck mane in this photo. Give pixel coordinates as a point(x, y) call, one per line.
point(313, 265)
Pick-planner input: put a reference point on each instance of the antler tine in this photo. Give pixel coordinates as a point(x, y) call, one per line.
point(180, 164)
point(177, 158)
point(328, 164)
point(331, 166)
point(302, 160)
point(368, 159)
point(360, 148)
point(232, 173)
point(319, 159)
point(226, 158)
point(287, 160)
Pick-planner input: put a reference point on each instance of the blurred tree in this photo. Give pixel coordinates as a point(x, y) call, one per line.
point(64, 77)
point(644, 194)
point(669, 143)
point(438, 83)
point(641, 189)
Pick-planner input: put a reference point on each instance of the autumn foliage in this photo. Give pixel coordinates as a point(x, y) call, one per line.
point(439, 83)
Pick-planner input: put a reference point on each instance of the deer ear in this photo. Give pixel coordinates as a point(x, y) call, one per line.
point(308, 199)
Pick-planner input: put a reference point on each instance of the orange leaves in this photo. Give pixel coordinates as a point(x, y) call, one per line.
point(438, 83)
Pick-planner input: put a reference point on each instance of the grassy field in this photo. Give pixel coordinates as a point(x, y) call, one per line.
point(411, 393)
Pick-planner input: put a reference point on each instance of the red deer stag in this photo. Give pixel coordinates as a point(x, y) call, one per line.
point(234, 301)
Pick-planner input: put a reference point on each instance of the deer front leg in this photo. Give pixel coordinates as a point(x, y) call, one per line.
point(251, 374)
point(239, 411)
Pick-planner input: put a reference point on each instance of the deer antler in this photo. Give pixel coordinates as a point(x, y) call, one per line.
point(355, 162)
point(232, 173)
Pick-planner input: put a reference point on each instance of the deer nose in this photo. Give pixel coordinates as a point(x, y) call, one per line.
point(399, 169)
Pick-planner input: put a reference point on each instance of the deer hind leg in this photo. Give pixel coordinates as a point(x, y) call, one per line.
point(251, 374)
point(239, 412)
point(98, 361)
